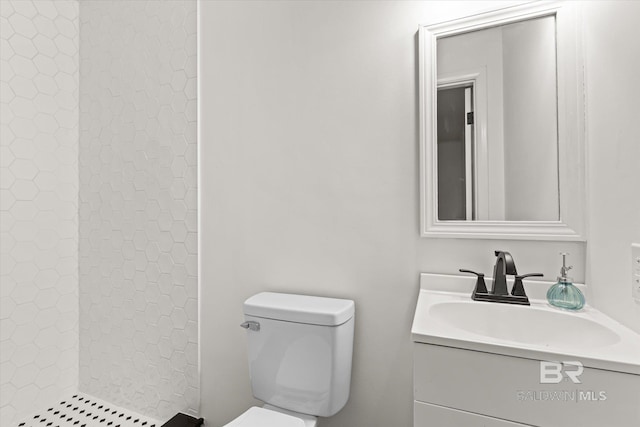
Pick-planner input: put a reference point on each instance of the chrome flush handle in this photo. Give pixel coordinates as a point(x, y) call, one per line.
point(251, 325)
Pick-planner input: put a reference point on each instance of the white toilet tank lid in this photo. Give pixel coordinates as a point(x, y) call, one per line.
point(300, 308)
point(260, 417)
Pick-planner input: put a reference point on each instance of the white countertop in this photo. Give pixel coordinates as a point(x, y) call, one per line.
point(622, 354)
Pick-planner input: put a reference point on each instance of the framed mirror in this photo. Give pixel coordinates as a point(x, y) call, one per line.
point(501, 125)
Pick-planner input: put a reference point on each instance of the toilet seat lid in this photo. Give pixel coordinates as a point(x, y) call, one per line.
point(260, 417)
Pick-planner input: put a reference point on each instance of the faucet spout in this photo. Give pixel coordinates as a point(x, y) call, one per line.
point(504, 266)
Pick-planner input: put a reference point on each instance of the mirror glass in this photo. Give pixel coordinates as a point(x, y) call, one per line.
point(497, 123)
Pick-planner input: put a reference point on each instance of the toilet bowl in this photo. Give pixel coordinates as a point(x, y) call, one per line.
point(300, 350)
point(272, 417)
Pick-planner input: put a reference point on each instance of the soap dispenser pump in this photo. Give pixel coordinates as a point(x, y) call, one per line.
point(565, 294)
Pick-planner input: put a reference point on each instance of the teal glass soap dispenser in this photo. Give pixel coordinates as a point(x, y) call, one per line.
point(565, 294)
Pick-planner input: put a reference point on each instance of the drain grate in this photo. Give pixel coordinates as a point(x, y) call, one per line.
point(86, 411)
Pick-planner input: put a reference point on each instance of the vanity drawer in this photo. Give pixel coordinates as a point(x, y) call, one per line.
point(509, 388)
point(427, 415)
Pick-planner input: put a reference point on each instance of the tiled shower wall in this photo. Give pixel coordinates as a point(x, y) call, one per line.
point(138, 236)
point(38, 204)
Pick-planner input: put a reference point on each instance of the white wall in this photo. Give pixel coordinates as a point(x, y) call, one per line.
point(309, 154)
point(611, 37)
point(530, 121)
point(38, 204)
point(138, 235)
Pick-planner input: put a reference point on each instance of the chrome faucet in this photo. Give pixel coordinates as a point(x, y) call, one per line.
point(504, 266)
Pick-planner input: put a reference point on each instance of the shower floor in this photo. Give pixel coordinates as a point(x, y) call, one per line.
point(81, 410)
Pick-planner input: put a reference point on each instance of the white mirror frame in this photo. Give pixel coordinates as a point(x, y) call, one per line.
point(571, 131)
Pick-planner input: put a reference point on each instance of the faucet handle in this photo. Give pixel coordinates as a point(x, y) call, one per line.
point(462, 270)
point(481, 287)
point(518, 288)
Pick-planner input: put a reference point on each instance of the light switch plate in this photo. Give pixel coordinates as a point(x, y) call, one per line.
point(635, 271)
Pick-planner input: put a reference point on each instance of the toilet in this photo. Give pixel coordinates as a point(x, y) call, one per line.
point(300, 349)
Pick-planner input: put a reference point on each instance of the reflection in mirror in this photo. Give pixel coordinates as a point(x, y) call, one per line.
point(497, 123)
point(455, 145)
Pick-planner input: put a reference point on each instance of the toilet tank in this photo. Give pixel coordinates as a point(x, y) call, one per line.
point(300, 358)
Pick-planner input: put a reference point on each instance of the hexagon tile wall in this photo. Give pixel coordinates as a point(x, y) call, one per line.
point(138, 241)
point(38, 204)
